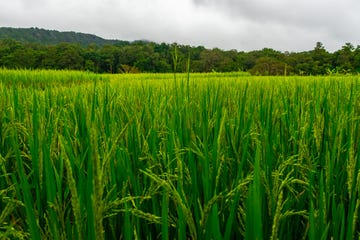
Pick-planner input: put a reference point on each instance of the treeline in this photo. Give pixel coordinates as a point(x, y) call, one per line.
point(144, 56)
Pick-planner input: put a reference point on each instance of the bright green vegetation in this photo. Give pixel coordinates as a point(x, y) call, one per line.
point(41, 79)
point(158, 157)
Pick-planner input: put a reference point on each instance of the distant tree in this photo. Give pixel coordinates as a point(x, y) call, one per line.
point(213, 60)
point(63, 56)
point(249, 60)
point(109, 56)
point(91, 57)
point(356, 59)
point(128, 54)
point(269, 52)
point(49, 58)
point(236, 61)
point(69, 56)
point(90, 66)
point(163, 52)
point(300, 63)
point(146, 59)
point(195, 59)
point(321, 60)
point(14, 54)
point(344, 59)
point(269, 66)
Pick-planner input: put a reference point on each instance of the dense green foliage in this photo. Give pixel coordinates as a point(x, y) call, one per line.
point(158, 156)
point(83, 52)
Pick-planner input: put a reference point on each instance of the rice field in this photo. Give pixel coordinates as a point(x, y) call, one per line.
point(163, 156)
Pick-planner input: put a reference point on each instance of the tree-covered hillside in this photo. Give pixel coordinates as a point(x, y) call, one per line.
point(46, 37)
point(43, 49)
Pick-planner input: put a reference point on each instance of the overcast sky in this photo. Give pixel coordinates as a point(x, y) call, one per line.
point(285, 25)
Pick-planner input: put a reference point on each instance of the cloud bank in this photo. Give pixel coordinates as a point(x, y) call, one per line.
point(228, 24)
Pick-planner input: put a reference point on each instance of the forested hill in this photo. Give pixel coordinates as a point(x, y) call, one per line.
point(43, 49)
point(47, 37)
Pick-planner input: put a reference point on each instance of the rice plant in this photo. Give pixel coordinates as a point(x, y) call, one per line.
point(209, 156)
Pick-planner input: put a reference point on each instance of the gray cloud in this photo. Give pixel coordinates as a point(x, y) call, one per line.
point(228, 24)
point(333, 21)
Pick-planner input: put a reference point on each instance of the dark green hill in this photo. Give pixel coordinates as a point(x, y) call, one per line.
point(47, 37)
